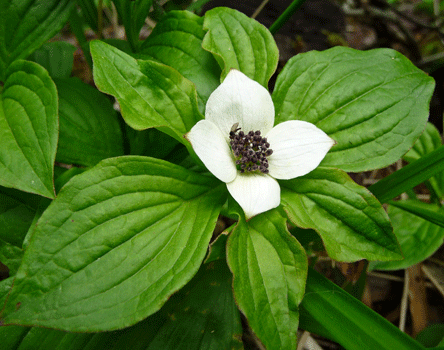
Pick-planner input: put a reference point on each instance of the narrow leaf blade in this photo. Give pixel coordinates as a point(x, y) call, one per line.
point(329, 311)
point(417, 237)
point(409, 176)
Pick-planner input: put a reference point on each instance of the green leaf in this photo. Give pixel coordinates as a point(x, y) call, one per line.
point(418, 238)
point(26, 25)
point(375, 103)
point(351, 222)
point(421, 209)
point(56, 57)
point(202, 315)
point(117, 241)
point(269, 268)
point(329, 311)
point(177, 42)
point(150, 94)
point(428, 142)
point(150, 143)
point(28, 129)
point(242, 43)
point(89, 12)
point(409, 176)
point(17, 215)
point(431, 336)
point(133, 14)
point(89, 128)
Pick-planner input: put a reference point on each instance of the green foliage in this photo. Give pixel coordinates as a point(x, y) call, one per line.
point(26, 25)
point(429, 141)
point(122, 244)
point(329, 311)
point(28, 129)
point(202, 313)
point(133, 14)
point(89, 128)
point(269, 268)
point(56, 57)
point(150, 94)
point(114, 245)
point(418, 238)
point(239, 42)
point(432, 336)
point(351, 222)
point(177, 42)
point(374, 104)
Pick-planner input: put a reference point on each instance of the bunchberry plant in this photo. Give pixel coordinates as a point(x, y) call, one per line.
point(120, 251)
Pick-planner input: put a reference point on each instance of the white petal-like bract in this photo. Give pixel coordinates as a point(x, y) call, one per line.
point(242, 100)
point(213, 150)
point(298, 148)
point(255, 193)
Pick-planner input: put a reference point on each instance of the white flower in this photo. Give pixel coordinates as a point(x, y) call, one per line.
point(240, 105)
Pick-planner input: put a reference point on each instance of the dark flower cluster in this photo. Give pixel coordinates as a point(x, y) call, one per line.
point(250, 150)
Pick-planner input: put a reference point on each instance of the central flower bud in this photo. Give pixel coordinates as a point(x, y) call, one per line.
point(250, 150)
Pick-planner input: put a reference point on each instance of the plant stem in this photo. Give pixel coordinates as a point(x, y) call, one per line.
point(75, 22)
point(100, 19)
point(259, 9)
point(197, 5)
point(294, 6)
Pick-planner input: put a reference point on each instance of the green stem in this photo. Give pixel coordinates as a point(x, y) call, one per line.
point(197, 5)
point(100, 19)
point(294, 6)
point(75, 22)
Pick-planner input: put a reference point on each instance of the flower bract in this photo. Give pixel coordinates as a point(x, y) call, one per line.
point(238, 143)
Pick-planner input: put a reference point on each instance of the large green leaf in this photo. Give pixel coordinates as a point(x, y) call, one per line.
point(28, 129)
point(418, 238)
point(56, 57)
point(117, 241)
point(331, 312)
point(373, 103)
point(177, 42)
point(350, 220)
point(242, 43)
point(270, 269)
point(89, 128)
point(25, 25)
point(202, 315)
point(150, 94)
